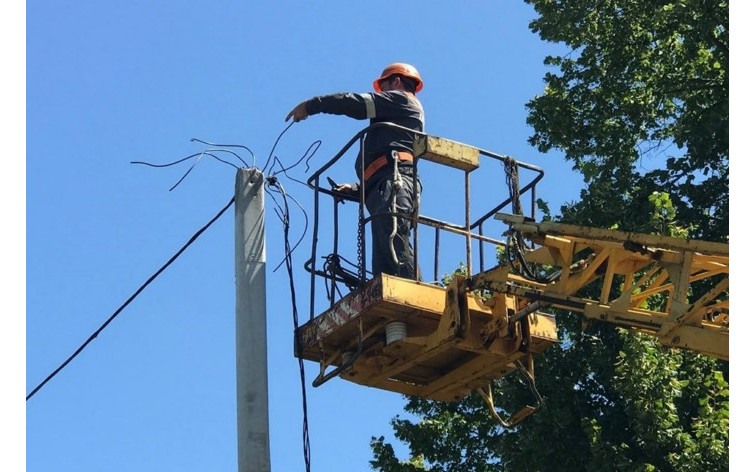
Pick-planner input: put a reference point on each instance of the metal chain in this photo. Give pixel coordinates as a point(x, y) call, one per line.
point(361, 216)
point(395, 186)
point(361, 242)
point(513, 182)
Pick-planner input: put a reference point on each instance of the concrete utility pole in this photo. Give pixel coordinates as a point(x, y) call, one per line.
point(251, 341)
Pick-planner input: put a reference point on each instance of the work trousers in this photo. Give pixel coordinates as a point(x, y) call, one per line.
point(378, 201)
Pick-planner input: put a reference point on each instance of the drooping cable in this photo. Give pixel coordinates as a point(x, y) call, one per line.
point(273, 185)
point(280, 213)
point(254, 159)
point(200, 155)
point(285, 219)
point(196, 161)
point(130, 299)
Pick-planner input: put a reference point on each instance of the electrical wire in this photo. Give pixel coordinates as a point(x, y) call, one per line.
point(316, 144)
point(200, 155)
point(130, 299)
point(273, 185)
point(276, 161)
point(254, 159)
point(267, 162)
point(515, 247)
point(281, 215)
point(196, 161)
point(332, 265)
point(281, 211)
point(285, 219)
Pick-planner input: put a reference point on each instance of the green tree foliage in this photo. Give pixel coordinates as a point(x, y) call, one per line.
point(647, 81)
point(640, 106)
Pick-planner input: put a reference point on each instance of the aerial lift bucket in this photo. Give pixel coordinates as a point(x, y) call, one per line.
point(457, 342)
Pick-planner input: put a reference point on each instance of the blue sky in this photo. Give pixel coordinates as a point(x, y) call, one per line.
point(107, 84)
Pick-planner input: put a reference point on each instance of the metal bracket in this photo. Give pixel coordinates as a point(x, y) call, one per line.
point(343, 366)
point(524, 412)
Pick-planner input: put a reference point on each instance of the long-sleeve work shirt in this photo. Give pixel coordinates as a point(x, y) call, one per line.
point(395, 106)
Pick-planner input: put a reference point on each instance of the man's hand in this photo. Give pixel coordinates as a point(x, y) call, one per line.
point(347, 189)
point(349, 192)
point(299, 113)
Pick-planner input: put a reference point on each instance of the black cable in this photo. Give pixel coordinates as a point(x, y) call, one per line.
point(210, 152)
point(273, 181)
point(274, 146)
point(168, 164)
point(231, 145)
point(131, 298)
point(196, 161)
point(289, 268)
point(276, 160)
point(200, 154)
point(515, 251)
point(332, 265)
point(194, 164)
point(315, 144)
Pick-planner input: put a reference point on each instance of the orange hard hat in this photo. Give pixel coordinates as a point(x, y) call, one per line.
point(399, 68)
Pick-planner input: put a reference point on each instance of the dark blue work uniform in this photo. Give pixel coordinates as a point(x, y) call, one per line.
point(381, 144)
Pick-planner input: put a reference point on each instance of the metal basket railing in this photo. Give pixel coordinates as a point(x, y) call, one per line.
point(335, 274)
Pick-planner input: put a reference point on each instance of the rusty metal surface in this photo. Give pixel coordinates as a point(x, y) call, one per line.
point(343, 314)
point(438, 359)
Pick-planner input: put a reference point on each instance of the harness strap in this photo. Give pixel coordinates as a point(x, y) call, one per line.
point(382, 161)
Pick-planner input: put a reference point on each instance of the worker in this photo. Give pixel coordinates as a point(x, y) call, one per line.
point(388, 160)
